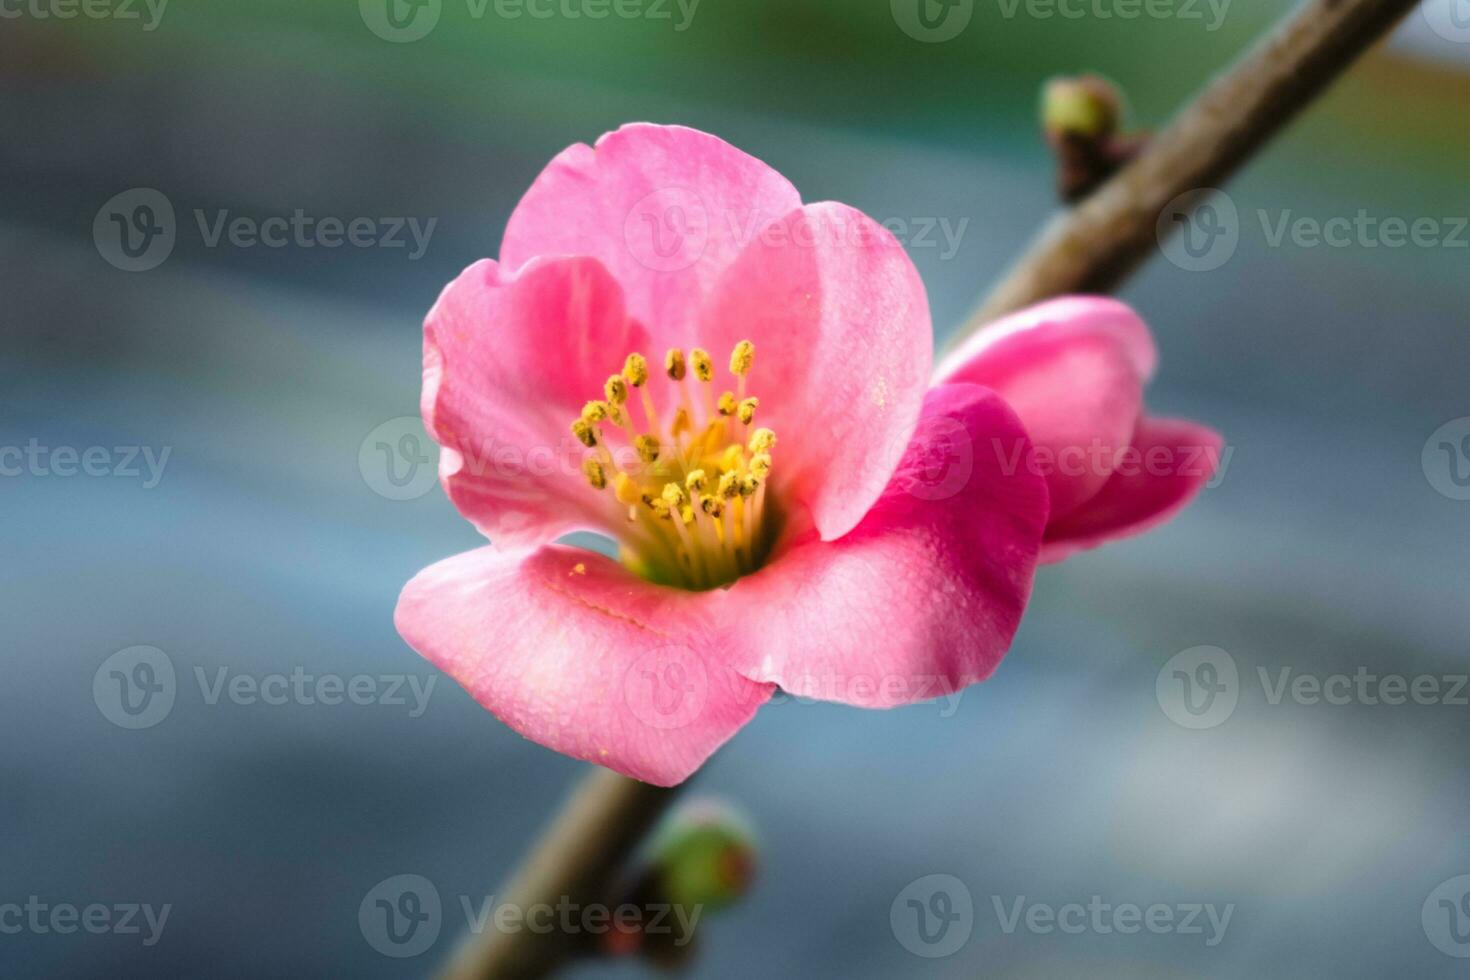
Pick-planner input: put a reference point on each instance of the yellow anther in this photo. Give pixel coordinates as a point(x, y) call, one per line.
point(704, 368)
point(729, 487)
point(595, 474)
point(748, 485)
point(727, 403)
point(647, 447)
point(674, 495)
point(761, 440)
point(760, 465)
point(741, 358)
point(713, 506)
point(674, 363)
point(626, 488)
point(584, 432)
point(696, 481)
point(660, 507)
point(635, 369)
point(682, 423)
point(746, 410)
point(616, 389)
point(596, 411)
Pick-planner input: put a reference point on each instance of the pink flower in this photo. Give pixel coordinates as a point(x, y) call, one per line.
point(676, 353)
point(1074, 370)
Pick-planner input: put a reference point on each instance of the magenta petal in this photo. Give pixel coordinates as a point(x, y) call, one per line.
point(509, 361)
point(1074, 370)
point(843, 342)
point(924, 596)
point(1168, 464)
point(665, 208)
point(574, 652)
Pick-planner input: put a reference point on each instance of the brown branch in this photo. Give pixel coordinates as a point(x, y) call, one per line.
point(1090, 249)
point(1094, 247)
point(574, 862)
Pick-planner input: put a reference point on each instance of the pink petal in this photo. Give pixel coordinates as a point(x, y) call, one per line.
point(843, 348)
point(574, 652)
point(509, 360)
point(924, 596)
point(1169, 462)
point(665, 208)
point(1074, 370)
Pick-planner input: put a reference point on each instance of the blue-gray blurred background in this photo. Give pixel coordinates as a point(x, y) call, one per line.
point(269, 540)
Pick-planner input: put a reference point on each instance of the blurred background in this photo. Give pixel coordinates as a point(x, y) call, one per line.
point(238, 519)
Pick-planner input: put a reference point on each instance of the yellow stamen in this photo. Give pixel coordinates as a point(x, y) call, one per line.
point(692, 488)
point(704, 368)
point(761, 441)
point(635, 369)
point(648, 448)
point(741, 358)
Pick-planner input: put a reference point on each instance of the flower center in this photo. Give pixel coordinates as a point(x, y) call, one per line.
point(688, 491)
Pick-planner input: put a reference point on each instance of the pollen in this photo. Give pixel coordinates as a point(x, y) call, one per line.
point(704, 368)
point(648, 448)
point(762, 441)
point(687, 486)
point(635, 369)
point(742, 358)
point(585, 433)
